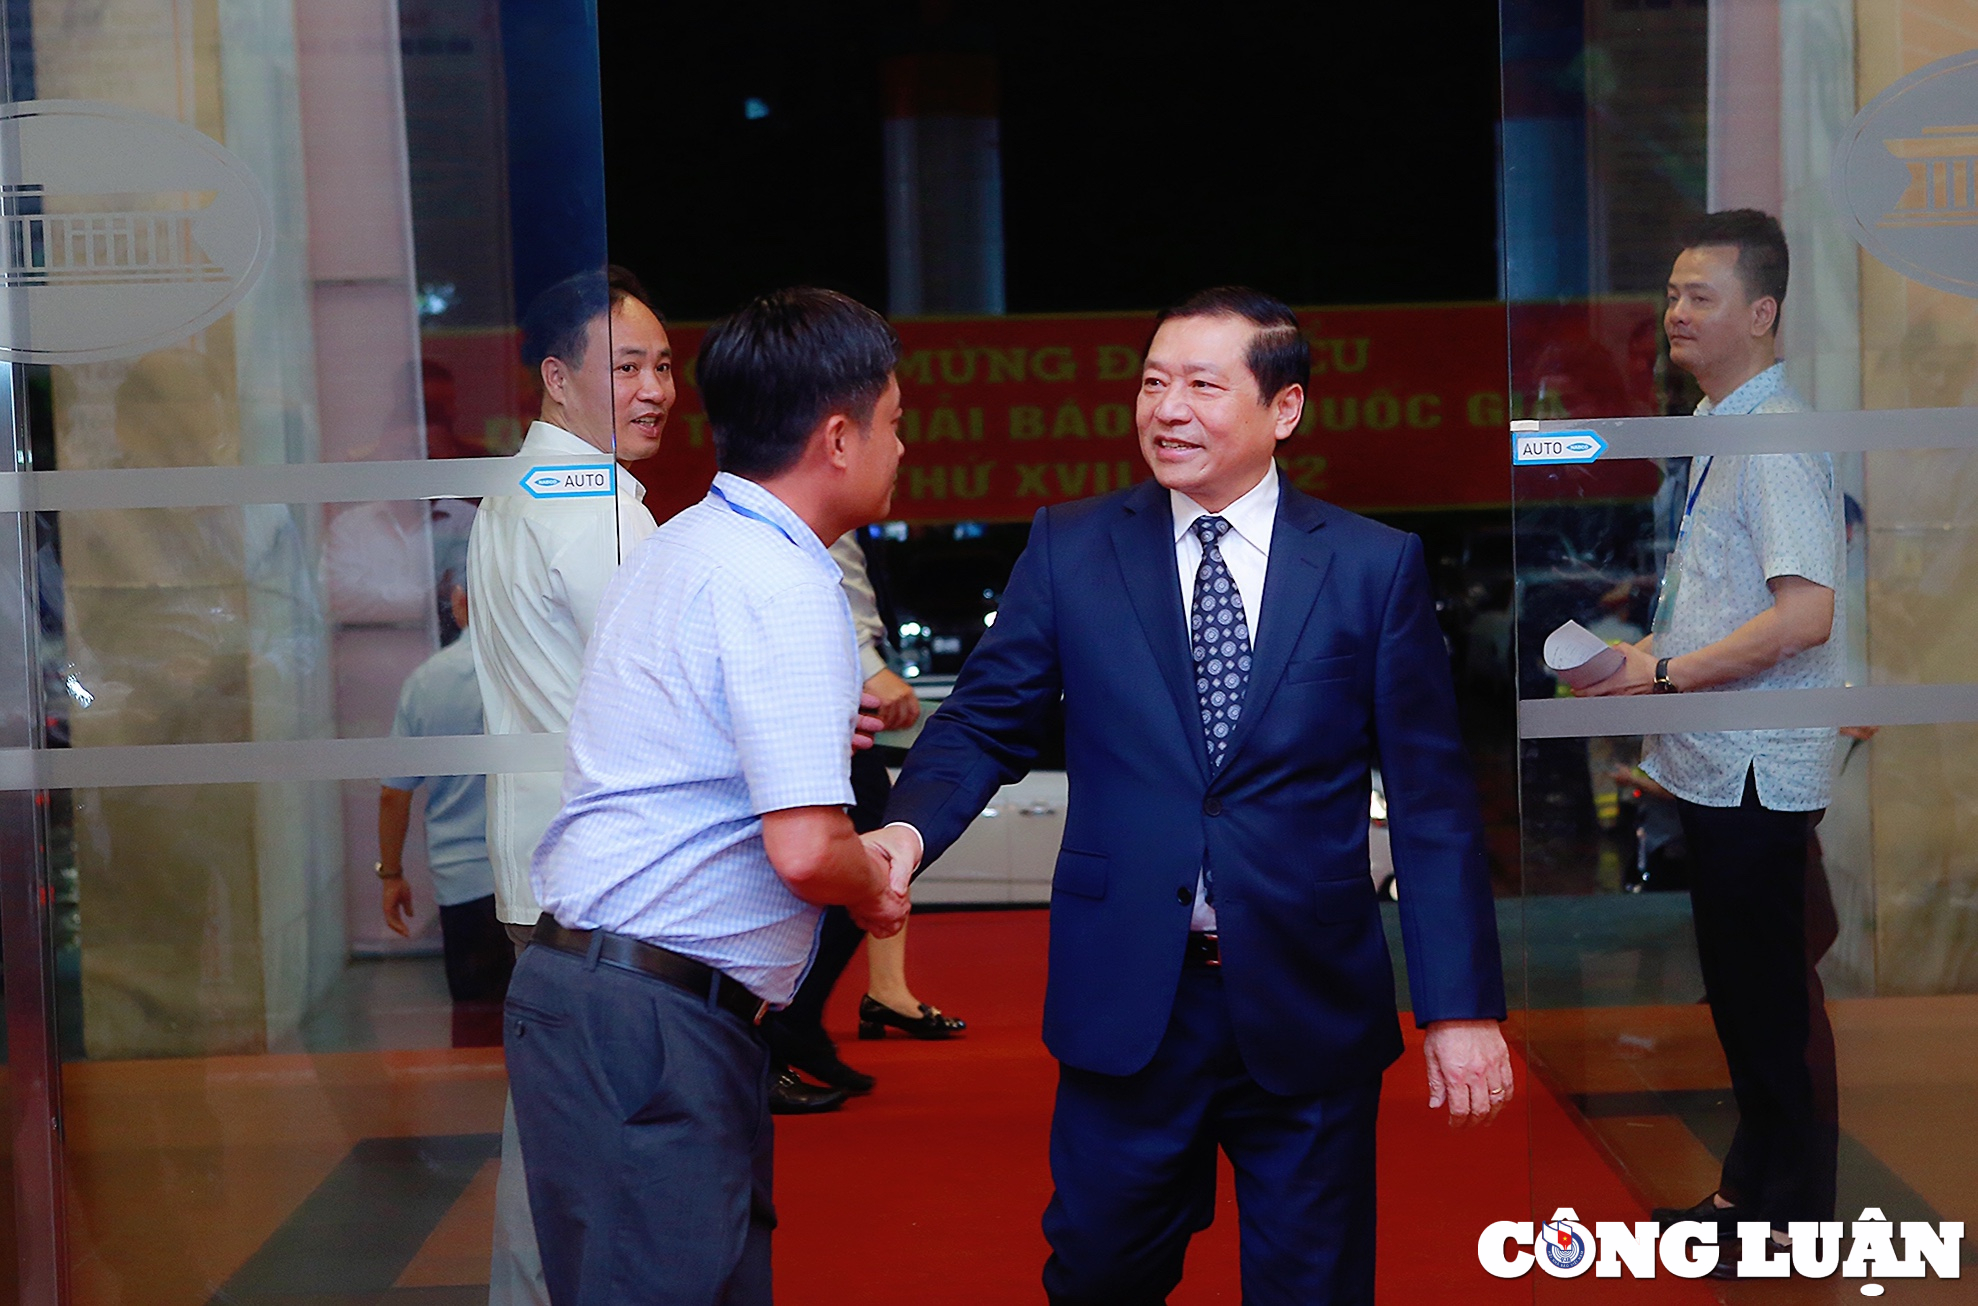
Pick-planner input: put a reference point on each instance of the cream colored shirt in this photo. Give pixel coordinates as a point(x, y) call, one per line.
point(866, 625)
point(536, 572)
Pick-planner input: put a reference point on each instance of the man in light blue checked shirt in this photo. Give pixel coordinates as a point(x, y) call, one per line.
point(703, 826)
point(1748, 603)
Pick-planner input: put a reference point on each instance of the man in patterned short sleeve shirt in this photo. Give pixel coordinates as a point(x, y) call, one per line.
point(1749, 603)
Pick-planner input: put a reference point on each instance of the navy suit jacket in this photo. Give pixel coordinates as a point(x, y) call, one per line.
point(1350, 672)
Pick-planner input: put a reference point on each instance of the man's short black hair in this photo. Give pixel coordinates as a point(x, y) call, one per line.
point(773, 369)
point(1279, 353)
point(1763, 259)
point(558, 323)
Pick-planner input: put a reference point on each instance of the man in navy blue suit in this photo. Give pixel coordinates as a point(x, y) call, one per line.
point(1233, 657)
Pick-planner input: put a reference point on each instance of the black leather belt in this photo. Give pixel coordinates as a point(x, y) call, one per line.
point(648, 959)
point(1204, 949)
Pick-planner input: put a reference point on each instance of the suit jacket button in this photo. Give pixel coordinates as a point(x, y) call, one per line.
point(1213, 806)
point(1184, 895)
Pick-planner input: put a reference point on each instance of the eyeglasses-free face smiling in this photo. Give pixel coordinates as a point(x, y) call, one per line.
point(1205, 427)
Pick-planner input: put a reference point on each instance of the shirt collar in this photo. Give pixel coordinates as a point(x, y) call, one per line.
point(1251, 516)
point(549, 438)
point(750, 500)
point(1747, 397)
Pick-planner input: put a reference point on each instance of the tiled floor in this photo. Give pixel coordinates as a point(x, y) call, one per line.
point(254, 1179)
point(347, 1176)
point(1649, 1085)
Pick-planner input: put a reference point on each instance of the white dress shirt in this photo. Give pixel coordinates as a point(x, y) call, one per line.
point(722, 684)
point(537, 571)
point(1246, 550)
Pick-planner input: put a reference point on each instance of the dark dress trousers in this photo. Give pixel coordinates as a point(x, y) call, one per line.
point(1350, 672)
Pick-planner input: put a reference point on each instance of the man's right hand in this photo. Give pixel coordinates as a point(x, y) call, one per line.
point(885, 913)
point(901, 845)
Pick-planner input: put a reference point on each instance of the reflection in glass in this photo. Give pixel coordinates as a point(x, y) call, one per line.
point(234, 1047)
point(1701, 1020)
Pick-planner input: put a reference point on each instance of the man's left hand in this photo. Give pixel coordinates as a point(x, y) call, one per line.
point(866, 725)
point(1469, 1068)
point(1635, 676)
point(397, 896)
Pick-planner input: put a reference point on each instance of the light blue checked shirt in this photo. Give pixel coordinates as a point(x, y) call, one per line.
point(442, 697)
point(722, 683)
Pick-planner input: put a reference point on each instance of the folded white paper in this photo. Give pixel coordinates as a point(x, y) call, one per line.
point(1579, 657)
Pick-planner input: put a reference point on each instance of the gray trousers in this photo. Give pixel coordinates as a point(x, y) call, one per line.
point(515, 1277)
point(644, 1112)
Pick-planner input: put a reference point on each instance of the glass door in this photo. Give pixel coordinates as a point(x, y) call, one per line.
point(1750, 942)
point(267, 268)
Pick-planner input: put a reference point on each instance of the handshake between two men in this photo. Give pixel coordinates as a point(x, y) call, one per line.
point(1469, 1068)
point(825, 862)
point(1221, 717)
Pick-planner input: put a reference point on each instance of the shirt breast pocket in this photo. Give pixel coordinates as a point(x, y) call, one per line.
point(1339, 666)
point(1712, 549)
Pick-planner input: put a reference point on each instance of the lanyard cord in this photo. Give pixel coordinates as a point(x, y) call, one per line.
point(1701, 477)
point(1683, 530)
point(746, 511)
point(1672, 572)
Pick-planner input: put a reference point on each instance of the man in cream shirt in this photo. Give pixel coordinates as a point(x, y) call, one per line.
point(539, 566)
point(537, 571)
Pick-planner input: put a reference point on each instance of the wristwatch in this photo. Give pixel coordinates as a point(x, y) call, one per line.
point(378, 869)
point(1662, 684)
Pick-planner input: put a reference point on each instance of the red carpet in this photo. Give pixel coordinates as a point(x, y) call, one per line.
point(929, 1191)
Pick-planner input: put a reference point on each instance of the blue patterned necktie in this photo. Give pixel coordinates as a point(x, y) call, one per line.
point(1221, 641)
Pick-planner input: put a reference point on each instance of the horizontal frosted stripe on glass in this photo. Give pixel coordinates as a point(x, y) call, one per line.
point(277, 760)
point(213, 487)
point(1855, 432)
point(1767, 709)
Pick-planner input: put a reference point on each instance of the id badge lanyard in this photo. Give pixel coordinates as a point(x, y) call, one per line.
point(1672, 573)
point(743, 510)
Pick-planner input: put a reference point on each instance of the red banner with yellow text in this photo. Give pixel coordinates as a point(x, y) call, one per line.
point(1004, 415)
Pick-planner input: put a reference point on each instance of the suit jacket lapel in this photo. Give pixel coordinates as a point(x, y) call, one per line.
point(1299, 562)
point(1143, 541)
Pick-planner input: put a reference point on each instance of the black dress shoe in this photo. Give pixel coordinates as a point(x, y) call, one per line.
point(790, 1096)
point(1730, 1253)
point(826, 1067)
point(875, 1017)
point(1707, 1210)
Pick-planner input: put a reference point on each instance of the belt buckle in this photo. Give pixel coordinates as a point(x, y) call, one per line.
point(1213, 942)
point(761, 1010)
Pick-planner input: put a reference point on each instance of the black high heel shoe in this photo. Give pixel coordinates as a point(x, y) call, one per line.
point(875, 1016)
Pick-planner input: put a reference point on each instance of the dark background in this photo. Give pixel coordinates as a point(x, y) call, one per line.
point(1329, 154)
